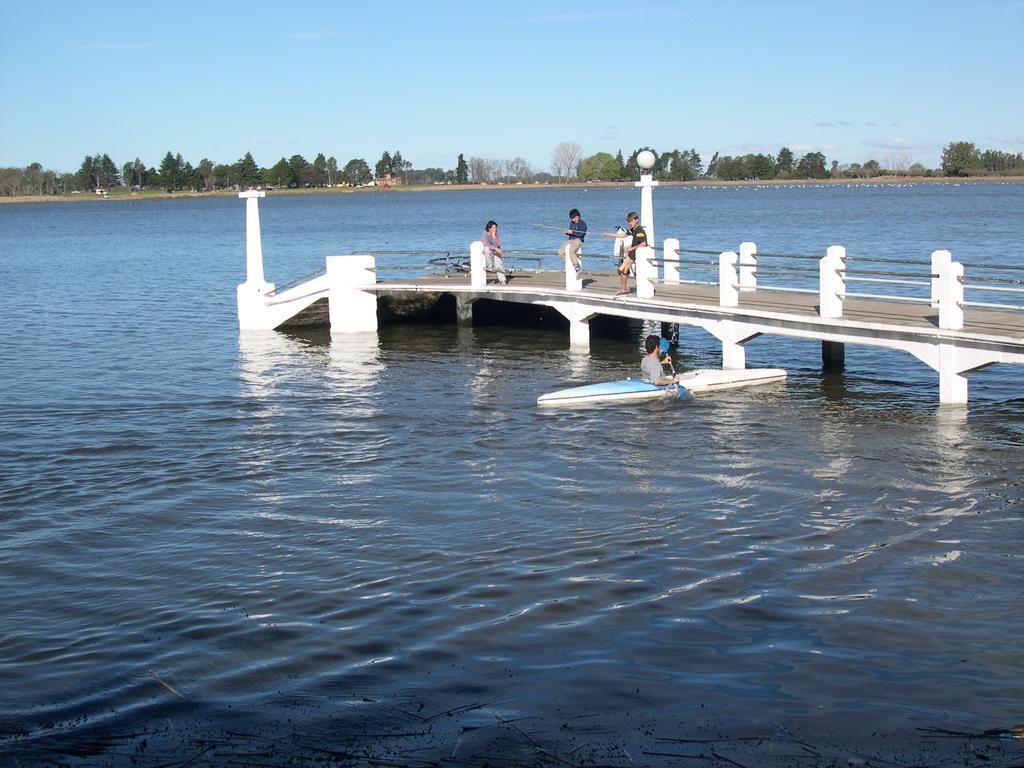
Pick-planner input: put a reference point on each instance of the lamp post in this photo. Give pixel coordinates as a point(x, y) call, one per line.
point(646, 160)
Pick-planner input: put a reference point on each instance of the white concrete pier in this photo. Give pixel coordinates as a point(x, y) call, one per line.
point(952, 336)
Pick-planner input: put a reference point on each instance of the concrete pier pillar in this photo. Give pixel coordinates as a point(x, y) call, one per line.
point(352, 308)
point(463, 311)
point(952, 381)
point(579, 333)
point(833, 356)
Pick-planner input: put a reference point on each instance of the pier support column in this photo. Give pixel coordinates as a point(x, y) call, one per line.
point(733, 337)
point(579, 333)
point(353, 308)
point(579, 323)
point(463, 311)
point(833, 356)
point(952, 382)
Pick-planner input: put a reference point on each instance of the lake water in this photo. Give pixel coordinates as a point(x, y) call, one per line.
point(285, 548)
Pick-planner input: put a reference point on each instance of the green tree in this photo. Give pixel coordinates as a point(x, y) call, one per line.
point(760, 166)
point(319, 173)
point(356, 172)
point(224, 176)
point(205, 171)
point(297, 163)
point(784, 161)
point(600, 165)
point(812, 166)
point(170, 171)
point(246, 173)
point(280, 174)
point(332, 170)
point(461, 171)
point(959, 158)
point(383, 166)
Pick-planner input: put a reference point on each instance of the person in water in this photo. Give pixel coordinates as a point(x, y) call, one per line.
point(639, 240)
point(651, 366)
point(492, 251)
point(577, 232)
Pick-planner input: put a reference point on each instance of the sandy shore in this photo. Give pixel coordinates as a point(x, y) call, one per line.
point(155, 195)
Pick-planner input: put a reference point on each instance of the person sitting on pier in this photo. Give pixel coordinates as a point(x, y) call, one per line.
point(577, 232)
point(639, 240)
point(651, 366)
point(492, 251)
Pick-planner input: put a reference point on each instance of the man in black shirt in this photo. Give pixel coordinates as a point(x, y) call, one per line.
point(639, 240)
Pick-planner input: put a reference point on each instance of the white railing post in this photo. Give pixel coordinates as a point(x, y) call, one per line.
point(477, 265)
point(646, 272)
point(728, 280)
point(572, 283)
point(670, 256)
point(352, 308)
point(832, 282)
point(951, 297)
point(940, 259)
point(748, 267)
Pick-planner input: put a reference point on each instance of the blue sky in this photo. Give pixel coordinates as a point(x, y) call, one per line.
point(853, 79)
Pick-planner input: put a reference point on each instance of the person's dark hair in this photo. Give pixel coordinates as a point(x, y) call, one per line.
point(631, 216)
point(651, 343)
point(490, 224)
point(574, 212)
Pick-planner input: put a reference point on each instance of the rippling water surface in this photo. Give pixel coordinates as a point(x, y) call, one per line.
point(288, 547)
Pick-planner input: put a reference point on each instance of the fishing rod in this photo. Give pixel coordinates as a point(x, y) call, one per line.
point(561, 229)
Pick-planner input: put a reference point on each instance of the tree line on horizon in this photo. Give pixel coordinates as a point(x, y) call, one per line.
point(174, 173)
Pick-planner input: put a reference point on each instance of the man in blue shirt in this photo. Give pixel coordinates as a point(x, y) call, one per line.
point(577, 232)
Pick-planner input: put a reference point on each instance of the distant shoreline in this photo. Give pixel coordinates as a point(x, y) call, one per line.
point(155, 195)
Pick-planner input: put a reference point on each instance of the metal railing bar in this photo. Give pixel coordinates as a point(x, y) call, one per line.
point(1011, 307)
point(785, 290)
point(886, 297)
point(992, 288)
point(297, 281)
point(850, 278)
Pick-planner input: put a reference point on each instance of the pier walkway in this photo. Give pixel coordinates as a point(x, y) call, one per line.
point(928, 316)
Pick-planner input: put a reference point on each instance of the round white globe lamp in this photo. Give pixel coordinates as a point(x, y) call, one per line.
point(646, 160)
